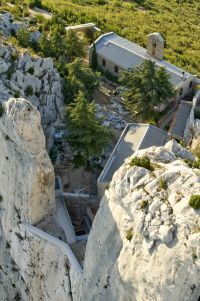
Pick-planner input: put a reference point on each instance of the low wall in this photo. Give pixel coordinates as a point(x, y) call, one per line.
point(188, 129)
point(75, 270)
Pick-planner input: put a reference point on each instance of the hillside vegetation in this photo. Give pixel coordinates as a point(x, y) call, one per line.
point(178, 21)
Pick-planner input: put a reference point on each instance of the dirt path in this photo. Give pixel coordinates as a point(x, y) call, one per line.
point(36, 11)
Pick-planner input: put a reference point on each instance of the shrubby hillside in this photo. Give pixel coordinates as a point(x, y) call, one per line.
point(177, 20)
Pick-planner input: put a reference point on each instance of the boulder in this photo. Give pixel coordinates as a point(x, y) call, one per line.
point(145, 239)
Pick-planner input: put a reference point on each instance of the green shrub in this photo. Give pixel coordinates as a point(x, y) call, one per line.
point(196, 151)
point(197, 113)
point(195, 201)
point(195, 164)
point(1, 198)
point(29, 91)
point(7, 245)
point(23, 37)
point(189, 162)
point(16, 94)
point(10, 72)
point(144, 204)
point(53, 154)
point(107, 186)
point(129, 234)
point(194, 257)
point(1, 110)
point(142, 162)
point(13, 56)
point(163, 184)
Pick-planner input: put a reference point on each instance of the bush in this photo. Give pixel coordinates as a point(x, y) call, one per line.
point(196, 151)
point(1, 110)
point(195, 164)
point(142, 162)
point(1, 198)
point(144, 204)
point(53, 154)
point(129, 234)
point(13, 56)
point(29, 91)
point(10, 72)
point(7, 245)
point(197, 114)
point(16, 94)
point(107, 186)
point(163, 184)
point(23, 37)
point(195, 201)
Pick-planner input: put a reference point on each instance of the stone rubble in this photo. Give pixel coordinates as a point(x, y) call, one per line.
point(110, 119)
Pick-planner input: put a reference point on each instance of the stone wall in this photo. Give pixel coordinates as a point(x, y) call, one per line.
point(110, 67)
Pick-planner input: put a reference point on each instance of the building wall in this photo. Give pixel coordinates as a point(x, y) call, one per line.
point(185, 86)
point(109, 67)
point(157, 51)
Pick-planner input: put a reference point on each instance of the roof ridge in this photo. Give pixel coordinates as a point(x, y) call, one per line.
point(114, 43)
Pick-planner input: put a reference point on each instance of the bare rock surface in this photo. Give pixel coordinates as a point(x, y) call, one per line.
point(31, 268)
point(145, 240)
point(35, 79)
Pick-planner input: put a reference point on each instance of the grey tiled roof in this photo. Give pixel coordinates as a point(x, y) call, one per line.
point(136, 136)
point(181, 118)
point(128, 55)
point(153, 136)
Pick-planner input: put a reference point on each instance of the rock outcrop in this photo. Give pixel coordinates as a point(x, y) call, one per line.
point(8, 26)
point(35, 79)
point(145, 240)
point(31, 268)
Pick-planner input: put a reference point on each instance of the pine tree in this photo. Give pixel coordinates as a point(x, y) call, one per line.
point(87, 136)
point(94, 63)
point(146, 87)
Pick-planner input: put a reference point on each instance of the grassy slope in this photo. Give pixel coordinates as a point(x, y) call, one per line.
point(178, 23)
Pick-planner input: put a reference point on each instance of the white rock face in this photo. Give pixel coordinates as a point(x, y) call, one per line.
point(35, 79)
point(136, 254)
point(31, 268)
point(8, 26)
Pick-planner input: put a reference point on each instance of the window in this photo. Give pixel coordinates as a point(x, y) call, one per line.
point(190, 85)
point(116, 69)
point(154, 45)
point(103, 62)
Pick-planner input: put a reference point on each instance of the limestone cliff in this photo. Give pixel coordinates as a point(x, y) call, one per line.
point(35, 79)
point(145, 240)
point(30, 267)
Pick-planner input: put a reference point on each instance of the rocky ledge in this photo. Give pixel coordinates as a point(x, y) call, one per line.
point(35, 79)
point(145, 240)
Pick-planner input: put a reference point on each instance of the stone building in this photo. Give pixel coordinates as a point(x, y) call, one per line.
point(116, 55)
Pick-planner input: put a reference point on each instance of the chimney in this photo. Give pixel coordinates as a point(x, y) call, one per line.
point(155, 45)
